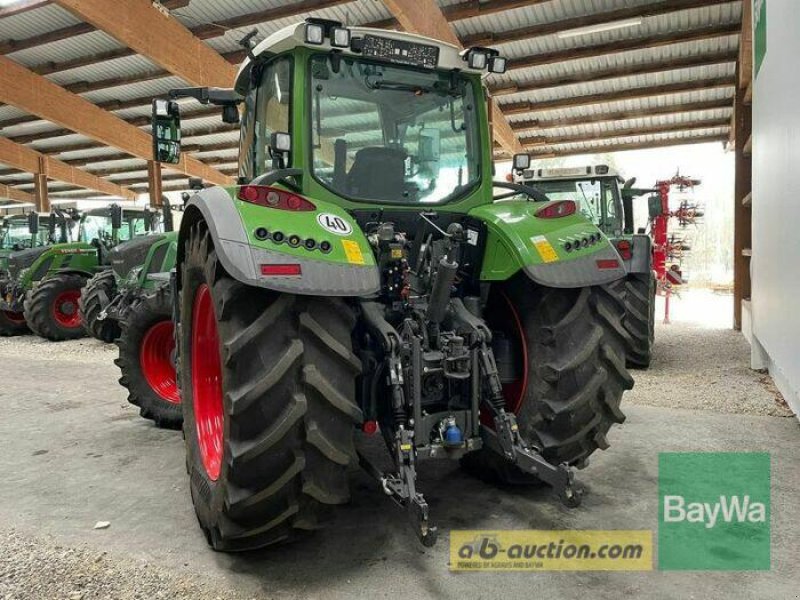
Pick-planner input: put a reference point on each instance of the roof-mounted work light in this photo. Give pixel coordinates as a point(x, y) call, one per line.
point(480, 58)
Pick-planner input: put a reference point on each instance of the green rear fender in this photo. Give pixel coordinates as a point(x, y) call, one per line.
point(237, 228)
point(519, 240)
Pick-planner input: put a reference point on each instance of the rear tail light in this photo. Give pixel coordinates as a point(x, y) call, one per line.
point(624, 248)
point(608, 263)
point(282, 270)
point(273, 198)
point(555, 210)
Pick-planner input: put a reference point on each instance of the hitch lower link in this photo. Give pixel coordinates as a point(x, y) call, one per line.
point(400, 486)
point(506, 439)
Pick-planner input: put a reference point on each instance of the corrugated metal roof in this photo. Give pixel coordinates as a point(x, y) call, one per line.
point(202, 12)
point(36, 22)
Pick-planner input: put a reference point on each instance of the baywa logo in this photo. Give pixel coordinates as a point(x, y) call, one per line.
point(714, 511)
point(729, 508)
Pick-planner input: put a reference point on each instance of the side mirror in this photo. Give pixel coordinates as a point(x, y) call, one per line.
point(230, 114)
point(629, 184)
point(522, 162)
point(148, 219)
point(33, 223)
point(280, 144)
point(166, 131)
point(116, 217)
point(185, 196)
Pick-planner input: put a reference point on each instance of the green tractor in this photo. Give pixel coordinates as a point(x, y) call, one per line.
point(602, 197)
point(125, 275)
point(44, 284)
point(17, 233)
point(367, 276)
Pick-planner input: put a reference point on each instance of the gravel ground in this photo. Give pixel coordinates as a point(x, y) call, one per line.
point(39, 568)
point(700, 363)
point(82, 350)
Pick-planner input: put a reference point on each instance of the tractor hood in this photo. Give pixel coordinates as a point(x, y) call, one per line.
point(132, 254)
point(17, 261)
point(561, 251)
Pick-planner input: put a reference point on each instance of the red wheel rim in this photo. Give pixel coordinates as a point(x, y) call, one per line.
point(15, 317)
point(515, 391)
point(65, 309)
point(503, 315)
point(155, 358)
point(207, 382)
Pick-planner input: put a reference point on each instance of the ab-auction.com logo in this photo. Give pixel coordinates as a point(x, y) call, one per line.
point(714, 511)
point(574, 550)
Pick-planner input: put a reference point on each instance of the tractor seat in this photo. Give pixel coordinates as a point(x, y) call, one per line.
point(377, 173)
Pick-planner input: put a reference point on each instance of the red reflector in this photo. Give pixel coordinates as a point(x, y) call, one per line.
point(555, 210)
point(282, 270)
point(370, 427)
point(271, 197)
point(624, 247)
point(608, 263)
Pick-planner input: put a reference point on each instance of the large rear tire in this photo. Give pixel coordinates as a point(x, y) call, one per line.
point(12, 323)
point(51, 308)
point(146, 359)
point(570, 345)
point(95, 297)
point(268, 388)
point(640, 312)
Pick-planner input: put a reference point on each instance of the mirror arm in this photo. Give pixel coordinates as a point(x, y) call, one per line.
point(207, 95)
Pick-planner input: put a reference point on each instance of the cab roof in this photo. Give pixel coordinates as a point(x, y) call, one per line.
point(293, 36)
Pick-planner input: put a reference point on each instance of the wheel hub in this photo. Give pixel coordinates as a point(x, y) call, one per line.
point(156, 360)
point(65, 309)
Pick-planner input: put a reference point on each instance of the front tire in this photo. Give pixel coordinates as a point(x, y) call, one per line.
point(51, 308)
point(98, 293)
point(571, 377)
point(146, 347)
point(12, 323)
point(268, 388)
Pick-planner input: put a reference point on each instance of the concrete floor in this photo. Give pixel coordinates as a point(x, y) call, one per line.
point(75, 453)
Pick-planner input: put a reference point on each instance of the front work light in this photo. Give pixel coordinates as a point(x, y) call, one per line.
point(477, 60)
point(340, 37)
point(315, 34)
point(497, 64)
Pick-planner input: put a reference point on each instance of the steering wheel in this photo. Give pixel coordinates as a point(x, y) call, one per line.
point(518, 188)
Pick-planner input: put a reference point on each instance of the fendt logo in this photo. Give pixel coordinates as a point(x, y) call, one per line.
point(729, 508)
point(714, 511)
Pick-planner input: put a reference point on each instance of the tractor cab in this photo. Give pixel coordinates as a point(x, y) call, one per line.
point(595, 189)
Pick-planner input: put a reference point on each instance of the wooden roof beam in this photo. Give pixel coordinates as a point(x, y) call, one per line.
point(698, 125)
point(661, 7)
point(708, 32)
point(39, 96)
point(621, 147)
point(617, 96)
point(621, 115)
point(10, 193)
point(426, 18)
point(618, 72)
point(31, 161)
point(159, 37)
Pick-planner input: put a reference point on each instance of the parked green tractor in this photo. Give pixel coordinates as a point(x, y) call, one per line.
point(45, 283)
point(19, 232)
point(600, 197)
point(120, 280)
point(366, 273)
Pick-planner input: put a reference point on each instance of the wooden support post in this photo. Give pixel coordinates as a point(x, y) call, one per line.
point(742, 222)
point(40, 187)
point(154, 183)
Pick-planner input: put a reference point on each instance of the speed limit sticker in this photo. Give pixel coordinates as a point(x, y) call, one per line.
point(334, 224)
